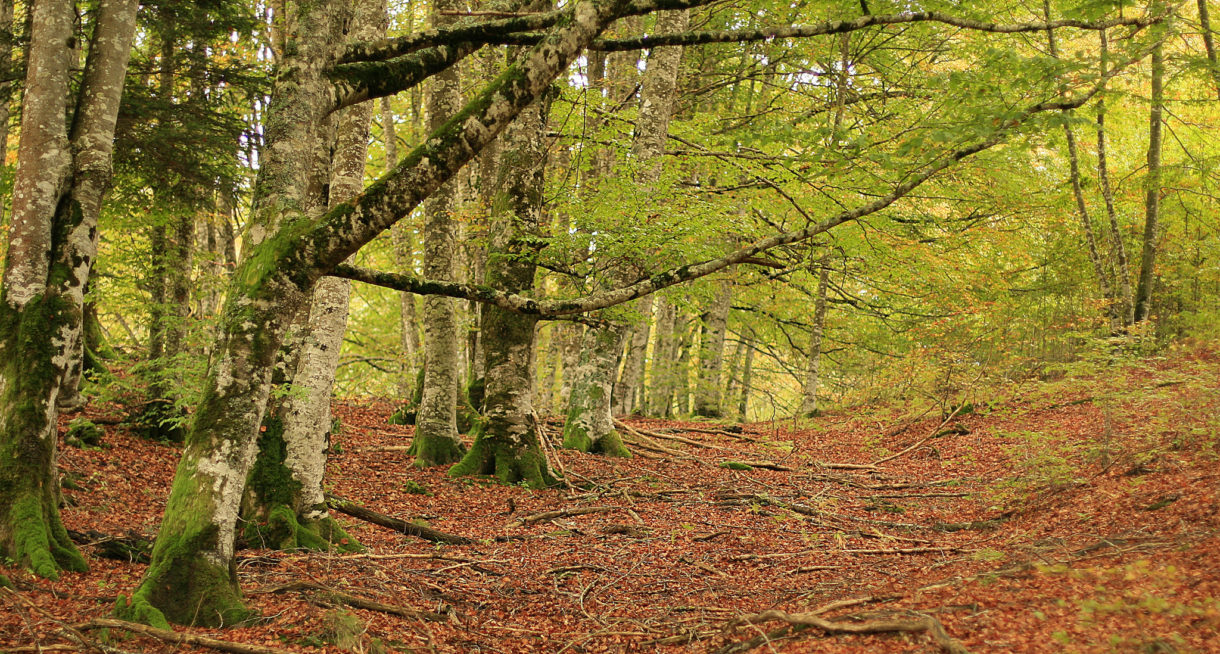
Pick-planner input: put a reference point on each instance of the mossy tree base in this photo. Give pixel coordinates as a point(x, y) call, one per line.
point(284, 530)
point(435, 451)
point(510, 463)
point(188, 586)
point(610, 444)
point(39, 541)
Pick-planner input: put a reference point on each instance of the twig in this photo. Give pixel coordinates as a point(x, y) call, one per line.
point(355, 601)
point(561, 513)
point(548, 452)
point(921, 624)
point(934, 434)
point(179, 638)
point(402, 526)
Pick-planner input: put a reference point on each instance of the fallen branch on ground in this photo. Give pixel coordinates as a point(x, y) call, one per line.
point(179, 638)
point(354, 601)
point(402, 526)
point(920, 624)
point(935, 433)
point(671, 437)
point(562, 513)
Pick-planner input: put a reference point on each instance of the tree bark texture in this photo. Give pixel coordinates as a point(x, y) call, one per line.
point(61, 180)
point(404, 251)
point(1152, 196)
point(631, 381)
point(1125, 305)
point(813, 366)
point(711, 352)
point(436, 432)
point(506, 442)
point(663, 351)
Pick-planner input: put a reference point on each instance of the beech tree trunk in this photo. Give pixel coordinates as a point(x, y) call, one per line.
point(1125, 305)
point(506, 442)
point(1152, 196)
point(191, 578)
point(436, 432)
point(627, 391)
point(404, 250)
point(809, 403)
point(1209, 43)
point(663, 351)
point(589, 426)
point(747, 380)
point(60, 183)
point(711, 353)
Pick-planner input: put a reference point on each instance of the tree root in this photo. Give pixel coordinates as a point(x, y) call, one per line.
point(402, 526)
point(798, 622)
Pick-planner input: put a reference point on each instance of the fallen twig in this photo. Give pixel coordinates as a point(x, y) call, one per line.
point(355, 601)
point(562, 513)
point(935, 432)
point(178, 637)
point(402, 526)
point(920, 624)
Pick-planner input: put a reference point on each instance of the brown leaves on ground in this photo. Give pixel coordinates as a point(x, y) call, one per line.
point(1078, 515)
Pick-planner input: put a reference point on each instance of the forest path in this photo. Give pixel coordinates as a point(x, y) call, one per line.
point(1077, 515)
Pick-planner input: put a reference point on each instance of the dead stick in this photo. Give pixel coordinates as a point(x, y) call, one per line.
point(934, 434)
point(402, 526)
point(356, 601)
point(179, 638)
point(562, 513)
point(924, 623)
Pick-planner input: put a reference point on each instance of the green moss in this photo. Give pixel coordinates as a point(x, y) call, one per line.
point(84, 432)
point(284, 530)
point(4, 582)
point(270, 481)
point(576, 437)
point(736, 465)
point(184, 587)
point(524, 465)
point(435, 451)
point(40, 542)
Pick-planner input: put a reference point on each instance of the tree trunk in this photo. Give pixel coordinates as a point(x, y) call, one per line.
point(436, 433)
point(1152, 197)
point(506, 443)
point(286, 505)
point(404, 251)
point(663, 351)
point(1209, 43)
point(747, 374)
point(684, 335)
point(590, 424)
point(6, 71)
point(627, 390)
point(809, 403)
point(1124, 300)
point(61, 181)
point(711, 353)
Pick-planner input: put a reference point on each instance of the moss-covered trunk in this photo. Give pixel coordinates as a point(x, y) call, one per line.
point(61, 180)
point(711, 353)
point(506, 443)
point(436, 429)
point(589, 426)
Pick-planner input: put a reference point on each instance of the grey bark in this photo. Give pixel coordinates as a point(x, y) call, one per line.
point(629, 385)
point(663, 352)
point(1152, 196)
point(590, 425)
point(404, 252)
point(436, 433)
point(747, 380)
point(1209, 43)
point(61, 181)
point(1125, 304)
point(1082, 210)
point(711, 352)
point(507, 446)
point(809, 402)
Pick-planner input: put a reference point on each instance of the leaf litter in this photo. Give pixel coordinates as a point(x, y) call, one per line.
point(1078, 515)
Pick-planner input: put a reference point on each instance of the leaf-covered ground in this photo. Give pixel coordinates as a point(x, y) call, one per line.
point(1078, 515)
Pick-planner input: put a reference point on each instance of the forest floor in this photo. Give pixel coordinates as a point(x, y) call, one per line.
point(1079, 515)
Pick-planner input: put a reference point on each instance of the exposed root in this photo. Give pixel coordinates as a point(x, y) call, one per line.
point(179, 638)
point(562, 513)
point(355, 601)
point(921, 623)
